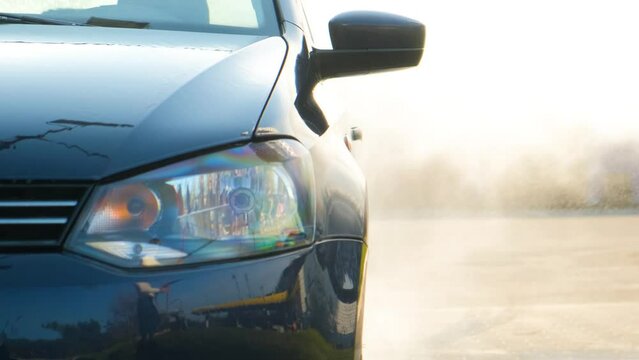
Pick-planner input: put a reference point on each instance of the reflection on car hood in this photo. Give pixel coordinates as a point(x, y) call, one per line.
point(86, 103)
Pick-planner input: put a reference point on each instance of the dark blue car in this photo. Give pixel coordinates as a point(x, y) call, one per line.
point(169, 187)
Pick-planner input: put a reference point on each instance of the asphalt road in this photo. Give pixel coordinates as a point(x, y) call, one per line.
point(497, 288)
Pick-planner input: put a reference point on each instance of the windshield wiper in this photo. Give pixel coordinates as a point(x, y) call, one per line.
point(8, 18)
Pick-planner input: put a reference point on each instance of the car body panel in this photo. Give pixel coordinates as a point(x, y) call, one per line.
point(120, 106)
point(292, 111)
point(291, 12)
point(301, 305)
point(107, 109)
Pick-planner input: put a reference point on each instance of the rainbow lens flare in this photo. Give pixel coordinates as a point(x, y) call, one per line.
point(241, 202)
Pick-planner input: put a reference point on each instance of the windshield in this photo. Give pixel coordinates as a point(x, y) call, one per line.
point(254, 17)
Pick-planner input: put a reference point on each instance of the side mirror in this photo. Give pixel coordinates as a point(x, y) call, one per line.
point(366, 42)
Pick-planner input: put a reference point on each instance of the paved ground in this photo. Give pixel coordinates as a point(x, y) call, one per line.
point(536, 288)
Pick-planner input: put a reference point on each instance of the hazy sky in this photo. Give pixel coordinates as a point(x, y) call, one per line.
point(501, 75)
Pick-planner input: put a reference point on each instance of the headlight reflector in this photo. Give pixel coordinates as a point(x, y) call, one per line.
point(241, 202)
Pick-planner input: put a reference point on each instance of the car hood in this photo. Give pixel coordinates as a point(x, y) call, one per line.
point(74, 109)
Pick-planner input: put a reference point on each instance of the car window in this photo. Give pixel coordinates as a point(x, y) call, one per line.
point(233, 13)
point(255, 17)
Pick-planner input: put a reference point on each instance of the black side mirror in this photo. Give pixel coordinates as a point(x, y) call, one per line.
point(366, 42)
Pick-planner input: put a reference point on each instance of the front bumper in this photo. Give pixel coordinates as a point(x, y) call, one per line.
point(301, 305)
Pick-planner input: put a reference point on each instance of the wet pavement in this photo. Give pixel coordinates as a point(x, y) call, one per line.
point(503, 288)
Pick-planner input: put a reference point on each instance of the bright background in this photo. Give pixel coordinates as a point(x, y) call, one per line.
point(520, 99)
point(508, 71)
point(500, 80)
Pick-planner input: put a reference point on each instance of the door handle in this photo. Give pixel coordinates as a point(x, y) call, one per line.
point(356, 134)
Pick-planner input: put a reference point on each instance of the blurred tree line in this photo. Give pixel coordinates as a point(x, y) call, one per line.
point(530, 183)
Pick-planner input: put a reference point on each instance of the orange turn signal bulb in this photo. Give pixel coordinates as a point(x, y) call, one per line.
point(132, 207)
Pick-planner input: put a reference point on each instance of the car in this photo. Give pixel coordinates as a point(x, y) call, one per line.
point(170, 188)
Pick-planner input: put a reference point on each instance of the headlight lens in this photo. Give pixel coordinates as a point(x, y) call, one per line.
point(242, 202)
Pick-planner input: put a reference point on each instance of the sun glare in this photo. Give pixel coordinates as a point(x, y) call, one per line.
point(500, 74)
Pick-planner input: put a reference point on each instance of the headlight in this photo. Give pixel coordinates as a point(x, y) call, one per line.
point(242, 202)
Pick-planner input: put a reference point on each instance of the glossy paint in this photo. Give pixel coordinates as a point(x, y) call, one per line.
point(57, 306)
point(364, 30)
point(86, 111)
point(126, 102)
point(366, 42)
point(342, 194)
